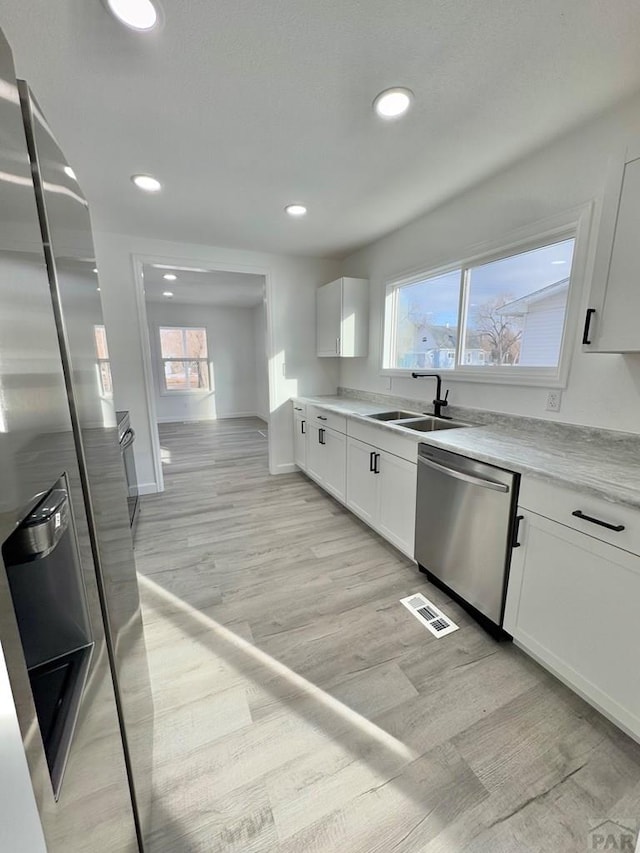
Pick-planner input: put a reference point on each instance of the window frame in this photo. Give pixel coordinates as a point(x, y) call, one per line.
point(574, 224)
point(162, 383)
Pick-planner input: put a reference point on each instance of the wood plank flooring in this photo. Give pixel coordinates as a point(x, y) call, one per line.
point(301, 709)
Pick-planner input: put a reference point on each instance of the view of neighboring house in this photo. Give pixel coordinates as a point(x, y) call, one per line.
point(434, 346)
point(542, 313)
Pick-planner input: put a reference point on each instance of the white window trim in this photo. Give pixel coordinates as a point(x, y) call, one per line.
point(573, 223)
point(178, 392)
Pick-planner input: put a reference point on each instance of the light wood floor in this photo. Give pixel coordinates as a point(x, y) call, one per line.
point(300, 707)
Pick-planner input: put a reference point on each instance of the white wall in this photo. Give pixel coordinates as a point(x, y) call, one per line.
point(261, 364)
point(232, 361)
point(603, 390)
point(294, 367)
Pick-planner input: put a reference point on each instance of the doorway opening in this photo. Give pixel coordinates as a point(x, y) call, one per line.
point(207, 358)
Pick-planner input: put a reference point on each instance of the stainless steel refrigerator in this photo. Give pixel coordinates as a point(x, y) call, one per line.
point(70, 620)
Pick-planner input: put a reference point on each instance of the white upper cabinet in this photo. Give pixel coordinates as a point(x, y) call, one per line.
point(611, 324)
point(343, 318)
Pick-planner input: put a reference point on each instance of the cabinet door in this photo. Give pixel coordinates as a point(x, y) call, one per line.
point(615, 294)
point(397, 501)
point(362, 482)
point(300, 441)
point(329, 318)
point(572, 602)
point(316, 457)
point(335, 463)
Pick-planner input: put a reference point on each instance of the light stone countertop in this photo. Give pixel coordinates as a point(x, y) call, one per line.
point(604, 463)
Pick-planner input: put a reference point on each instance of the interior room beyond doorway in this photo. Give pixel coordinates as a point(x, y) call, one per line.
point(207, 344)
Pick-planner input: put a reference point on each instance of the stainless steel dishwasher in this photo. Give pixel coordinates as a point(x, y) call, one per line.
point(465, 530)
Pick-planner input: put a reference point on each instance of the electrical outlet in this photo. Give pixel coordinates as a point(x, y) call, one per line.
point(554, 399)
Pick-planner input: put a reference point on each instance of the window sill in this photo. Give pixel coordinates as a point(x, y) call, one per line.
point(487, 376)
point(186, 393)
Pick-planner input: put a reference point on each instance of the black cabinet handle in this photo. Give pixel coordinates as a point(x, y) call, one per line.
point(587, 326)
point(321, 436)
point(617, 528)
point(302, 429)
point(516, 531)
point(376, 460)
point(321, 418)
point(371, 462)
point(298, 408)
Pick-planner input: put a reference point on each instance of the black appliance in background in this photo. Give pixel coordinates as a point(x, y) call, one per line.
point(49, 598)
point(126, 437)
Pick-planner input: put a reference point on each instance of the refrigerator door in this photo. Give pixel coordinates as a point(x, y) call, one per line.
point(36, 448)
point(71, 263)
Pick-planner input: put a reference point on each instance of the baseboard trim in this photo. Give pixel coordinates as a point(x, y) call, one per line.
point(177, 420)
point(148, 488)
point(285, 468)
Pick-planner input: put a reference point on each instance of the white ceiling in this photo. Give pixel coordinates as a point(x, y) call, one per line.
point(240, 108)
point(241, 290)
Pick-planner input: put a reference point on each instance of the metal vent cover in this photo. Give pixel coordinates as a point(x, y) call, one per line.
point(429, 615)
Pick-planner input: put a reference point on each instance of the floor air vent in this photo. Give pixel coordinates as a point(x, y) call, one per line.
point(427, 613)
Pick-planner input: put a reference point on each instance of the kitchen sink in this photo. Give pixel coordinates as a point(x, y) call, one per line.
point(430, 424)
point(393, 416)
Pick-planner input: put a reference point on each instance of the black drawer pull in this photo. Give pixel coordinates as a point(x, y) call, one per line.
point(376, 462)
point(371, 464)
point(321, 418)
point(587, 325)
point(618, 528)
point(298, 408)
point(516, 531)
point(302, 429)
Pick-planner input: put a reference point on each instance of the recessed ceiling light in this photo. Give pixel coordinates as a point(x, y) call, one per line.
point(558, 262)
point(70, 173)
point(146, 183)
point(168, 294)
point(95, 269)
point(169, 277)
point(137, 14)
point(296, 209)
point(393, 103)
point(98, 289)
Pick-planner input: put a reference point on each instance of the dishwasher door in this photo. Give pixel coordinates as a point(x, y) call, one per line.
point(464, 520)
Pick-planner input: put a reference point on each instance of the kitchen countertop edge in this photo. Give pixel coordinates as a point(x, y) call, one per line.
point(478, 441)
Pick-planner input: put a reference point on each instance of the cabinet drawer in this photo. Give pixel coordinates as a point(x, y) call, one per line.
point(327, 418)
point(560, 504)
point(299, 408)
point(405, 447)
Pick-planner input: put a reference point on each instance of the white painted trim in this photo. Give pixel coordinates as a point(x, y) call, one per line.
point(138, 261)
point(174, 420)
point(285, 468)
point(577, 219)
point(148, 489)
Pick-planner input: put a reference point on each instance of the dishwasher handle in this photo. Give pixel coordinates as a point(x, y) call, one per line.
point(467, 478)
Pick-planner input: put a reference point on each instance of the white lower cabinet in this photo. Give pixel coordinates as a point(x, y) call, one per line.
point(381, 489)
point(362, 482)
point(327, 459)
point(397, 506)
point(300, 441)
point(573, 603)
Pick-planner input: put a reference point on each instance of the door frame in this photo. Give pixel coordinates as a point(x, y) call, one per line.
point(138, 261)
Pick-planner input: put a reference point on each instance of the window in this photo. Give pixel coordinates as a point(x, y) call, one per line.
point(183, 352)
point(104, 365)
point(424, 329)
point(487, 317)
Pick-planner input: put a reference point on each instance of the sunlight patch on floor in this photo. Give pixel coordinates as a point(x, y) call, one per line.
point(355, 719)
